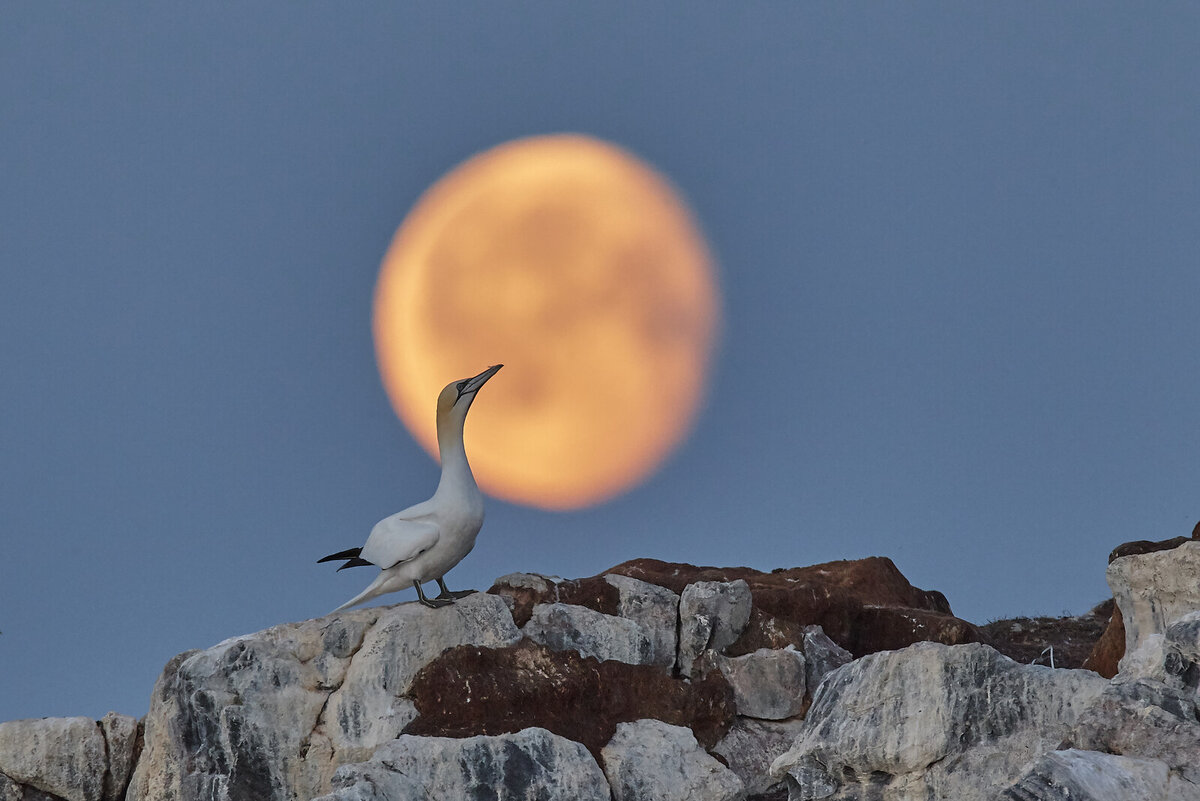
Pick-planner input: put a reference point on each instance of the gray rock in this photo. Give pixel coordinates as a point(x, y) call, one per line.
point(752, 745)
point(272, 715)
point(531, 764)
point(712, 615)
point(1145, 719)
point(821, 656)
point(648, 760)
point(1074, 775)
point(568, 627)
point(655, 609)
point(120, 738)
point(932, 721)
point(63, 757)
point(1155, 589)
point(767, 684)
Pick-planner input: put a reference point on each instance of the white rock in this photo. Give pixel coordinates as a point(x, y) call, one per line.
point(272, 715)
point(649, 760)
point(568, 627)
point(712, 615)
point(821, 656)
point(64, 757)
point(655, 609)
point(1155, 589)
point(1091, 776)
point(942, 721)
point(767, 684)
point(531, 764)
point(120, 737)
point(752, 745)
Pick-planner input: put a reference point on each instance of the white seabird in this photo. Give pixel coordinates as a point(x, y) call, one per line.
point(424, 541)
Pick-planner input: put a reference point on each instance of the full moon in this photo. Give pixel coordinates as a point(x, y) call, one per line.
point(581, 269)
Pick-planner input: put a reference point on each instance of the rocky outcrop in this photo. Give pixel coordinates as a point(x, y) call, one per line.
point(661, 680)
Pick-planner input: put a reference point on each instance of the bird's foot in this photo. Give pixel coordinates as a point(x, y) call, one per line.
point(455, 595)
point(436, 603)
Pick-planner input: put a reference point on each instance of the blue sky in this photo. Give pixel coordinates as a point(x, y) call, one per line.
point(957, 250)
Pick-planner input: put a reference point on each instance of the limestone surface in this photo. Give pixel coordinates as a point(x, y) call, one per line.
point(1155, 589)
point(568, 627)
point(530, 764)
point(1074, 775)
point(946, 721)
point(64, 757)
point(752, 745)
point(648, 760)
point(712, 615)
point(767, 684)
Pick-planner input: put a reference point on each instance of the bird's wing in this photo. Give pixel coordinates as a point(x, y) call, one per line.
point(396, 539)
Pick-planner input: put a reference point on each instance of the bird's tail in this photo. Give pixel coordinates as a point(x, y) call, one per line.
point(373, 589)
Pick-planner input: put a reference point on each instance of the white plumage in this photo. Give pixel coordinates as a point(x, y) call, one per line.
point(424, 541)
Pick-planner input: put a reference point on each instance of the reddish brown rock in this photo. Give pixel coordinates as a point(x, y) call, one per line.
point(1073, 638)
point(469, 690)
point(594, 593)
point(1109, 649)
point(864, 605)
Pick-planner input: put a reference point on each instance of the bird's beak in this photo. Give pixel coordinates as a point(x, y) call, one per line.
point(473, 384)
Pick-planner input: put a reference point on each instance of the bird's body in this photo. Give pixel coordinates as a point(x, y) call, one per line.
point(423, 542)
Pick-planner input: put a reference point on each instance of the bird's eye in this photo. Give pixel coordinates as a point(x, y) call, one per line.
point(461, 385)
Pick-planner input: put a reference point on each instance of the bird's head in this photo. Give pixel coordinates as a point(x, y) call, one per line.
point(457, 395)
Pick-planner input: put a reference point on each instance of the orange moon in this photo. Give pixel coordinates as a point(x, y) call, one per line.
point(581, 269)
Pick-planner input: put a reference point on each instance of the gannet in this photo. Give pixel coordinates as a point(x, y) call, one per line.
point(424, 541)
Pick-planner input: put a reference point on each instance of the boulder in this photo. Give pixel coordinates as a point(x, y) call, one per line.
point(1074, 775)
point(530, 764)
point(822, 656)
point(1155, 589)
point(655, 609)
point(271, 715)
point(1146, 719)
point(567, 627)
point(712, 615)
point(750, 748)
point(932, 721)
point(66, 758)
point(767, 684)
point(648, 760)
point(471, 690)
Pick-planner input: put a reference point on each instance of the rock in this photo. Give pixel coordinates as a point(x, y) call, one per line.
point(1074, 775)
point(932, 721)
point(1107, 652)
point(1072, 637)
point(767, 684)
point(271, 715)
point(530, 764)
point(712, 615)
point(655, 609)
point(1154, 589)
point(121, 742)
point(527, 590)
point(767, 631)
point(648, 760)
point(62, 757)
point(750, 748)
point(821, 657)
point(1146, 719)
point(841, 597)
point(566, 627)
point(470, 690)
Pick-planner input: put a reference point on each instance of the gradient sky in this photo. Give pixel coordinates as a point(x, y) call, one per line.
point(958, 253)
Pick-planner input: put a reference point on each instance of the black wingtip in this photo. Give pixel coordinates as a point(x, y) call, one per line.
point(349, 553)
point(355, 562)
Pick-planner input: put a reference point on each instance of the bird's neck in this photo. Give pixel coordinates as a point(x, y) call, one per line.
point(456, 472)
